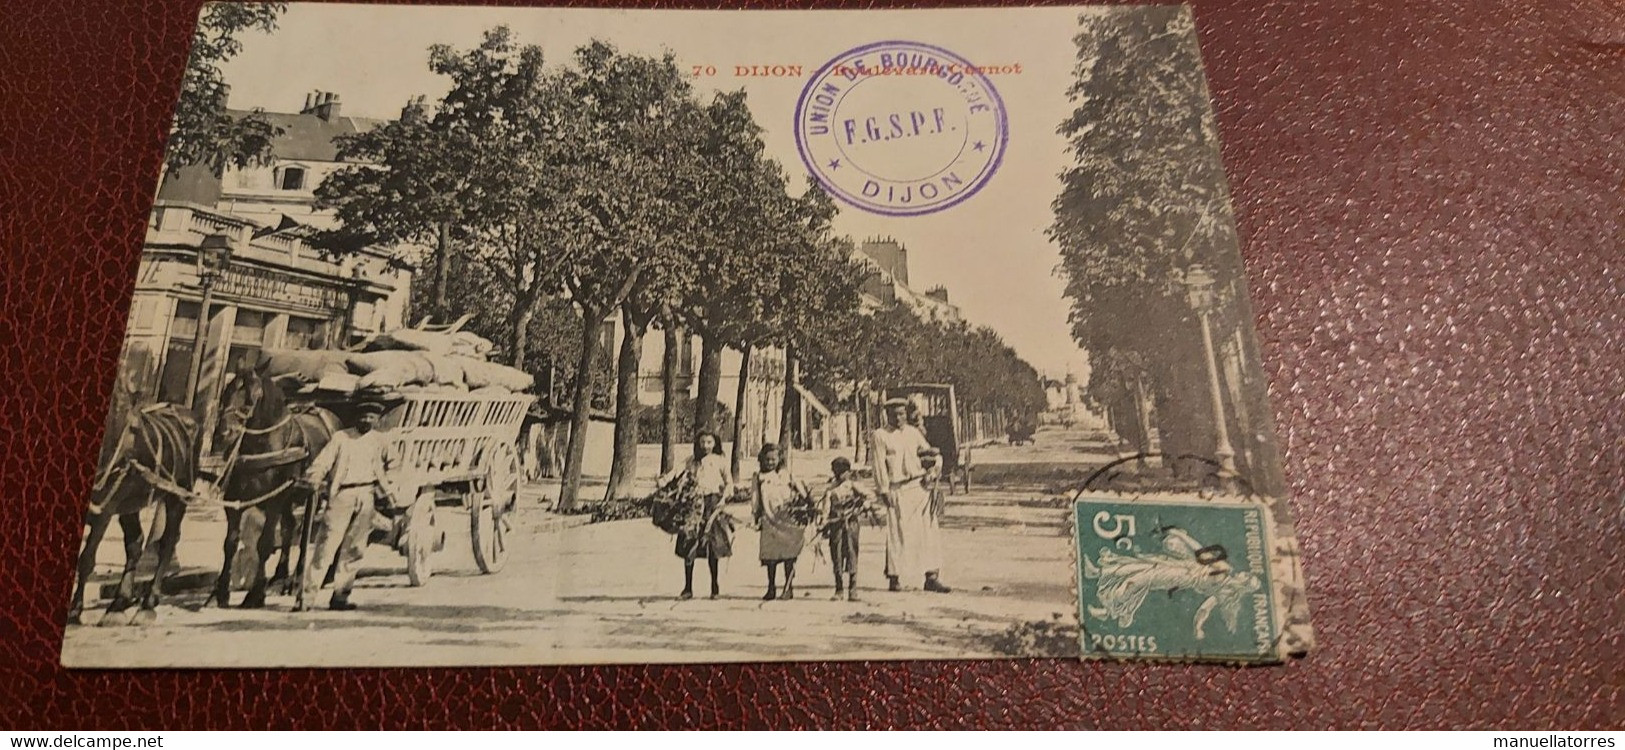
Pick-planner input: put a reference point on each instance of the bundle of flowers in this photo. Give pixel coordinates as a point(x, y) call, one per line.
point(801, 509)
point(848, 508)
point(673, 507)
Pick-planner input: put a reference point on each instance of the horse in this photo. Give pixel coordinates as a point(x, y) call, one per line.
point(269, 446)
point(148, 458)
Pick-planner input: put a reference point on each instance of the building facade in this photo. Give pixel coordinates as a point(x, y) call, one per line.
point(272, 290)
point(889, 284)
point(282, 191)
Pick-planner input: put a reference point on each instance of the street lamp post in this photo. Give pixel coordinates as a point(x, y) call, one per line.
point(213, 256)
point(1199, 284)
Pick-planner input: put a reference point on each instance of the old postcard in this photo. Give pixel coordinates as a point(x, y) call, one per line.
point(469, 336)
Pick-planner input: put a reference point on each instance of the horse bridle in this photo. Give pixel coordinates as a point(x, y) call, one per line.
point(243, 414)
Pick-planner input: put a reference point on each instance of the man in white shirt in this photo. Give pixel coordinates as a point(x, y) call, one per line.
point(351, 468)
point(913, 540)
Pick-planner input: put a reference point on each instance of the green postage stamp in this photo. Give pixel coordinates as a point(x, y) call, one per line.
point(1180, 580)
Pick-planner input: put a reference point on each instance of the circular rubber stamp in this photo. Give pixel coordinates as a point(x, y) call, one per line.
point(901, 128)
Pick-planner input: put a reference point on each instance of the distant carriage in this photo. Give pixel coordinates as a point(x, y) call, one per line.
point(939, 417)
point(1020, 431)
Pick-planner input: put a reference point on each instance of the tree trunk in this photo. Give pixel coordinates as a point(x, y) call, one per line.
point(705, 401)
point(1142, 416)
point(668, 398)
point(860, 444)
point(590, 321)
point(788, 406)
point(442, 274)
point(519, 330)
point(739, 408)
point(623, 470)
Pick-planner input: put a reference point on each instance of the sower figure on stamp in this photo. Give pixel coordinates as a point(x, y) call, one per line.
point(913, 540)
point(351, 469)
point(843, 505)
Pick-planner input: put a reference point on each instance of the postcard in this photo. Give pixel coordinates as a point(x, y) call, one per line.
point(479, 336)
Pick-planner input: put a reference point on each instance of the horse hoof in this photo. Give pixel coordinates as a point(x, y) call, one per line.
point(144, 617)
point(253, 602)
point(219, 600)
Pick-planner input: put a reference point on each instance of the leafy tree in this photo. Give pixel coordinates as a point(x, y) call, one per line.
point(897, 347)
point(632, 156)
point(204, 134)
point(731, 231)
point(484, 170)
point(414, 188)
point(1140, 203)
point(669, 269)
point(820, 297)
point(1145, 200)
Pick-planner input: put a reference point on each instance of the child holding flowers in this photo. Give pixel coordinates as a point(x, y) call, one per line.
point(783, 508)
point(703, 528)
point(844, 504)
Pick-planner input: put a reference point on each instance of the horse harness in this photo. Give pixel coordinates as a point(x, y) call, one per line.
point(267, 460)
point(158, 437)
point(160, 482)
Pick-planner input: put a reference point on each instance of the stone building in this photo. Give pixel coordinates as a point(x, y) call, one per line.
point(267, 287)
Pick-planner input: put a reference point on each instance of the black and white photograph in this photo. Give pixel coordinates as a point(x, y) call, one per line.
point(480, 336)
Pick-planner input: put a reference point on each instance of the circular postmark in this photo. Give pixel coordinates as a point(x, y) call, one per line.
point(901, 128)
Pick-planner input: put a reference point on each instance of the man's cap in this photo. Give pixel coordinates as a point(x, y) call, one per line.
point(369, 407)
point(897, 401)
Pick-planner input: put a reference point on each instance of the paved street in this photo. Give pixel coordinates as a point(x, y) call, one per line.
point(579, 593)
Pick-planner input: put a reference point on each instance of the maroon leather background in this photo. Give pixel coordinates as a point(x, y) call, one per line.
point(1430, 199)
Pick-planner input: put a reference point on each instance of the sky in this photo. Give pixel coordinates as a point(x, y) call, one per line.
point(990, 251)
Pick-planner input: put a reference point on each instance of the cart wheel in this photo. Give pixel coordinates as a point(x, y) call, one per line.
point(420, 537)
point(487, 516)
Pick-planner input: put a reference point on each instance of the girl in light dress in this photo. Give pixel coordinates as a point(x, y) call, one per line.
point(777, 507)
point(708, 531)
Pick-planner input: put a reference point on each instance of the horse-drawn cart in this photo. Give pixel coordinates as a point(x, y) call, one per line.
point(447, 448)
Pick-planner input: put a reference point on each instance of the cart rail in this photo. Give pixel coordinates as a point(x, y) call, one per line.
point(445, 437)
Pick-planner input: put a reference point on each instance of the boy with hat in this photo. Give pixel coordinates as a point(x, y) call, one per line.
point(843, 505)
point(352, 468)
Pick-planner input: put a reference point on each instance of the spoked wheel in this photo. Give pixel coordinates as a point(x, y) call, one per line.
point(487, 518)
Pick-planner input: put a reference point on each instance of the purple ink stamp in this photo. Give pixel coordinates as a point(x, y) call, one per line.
point(901, 128)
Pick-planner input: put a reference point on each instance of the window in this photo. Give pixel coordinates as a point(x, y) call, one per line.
point(178, 355)
point(606, 339)
point(305, 333)
point(291, 178)
point(685, 362)
point(249, 329)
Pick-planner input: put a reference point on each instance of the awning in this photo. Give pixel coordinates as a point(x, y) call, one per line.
point(812, 400)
